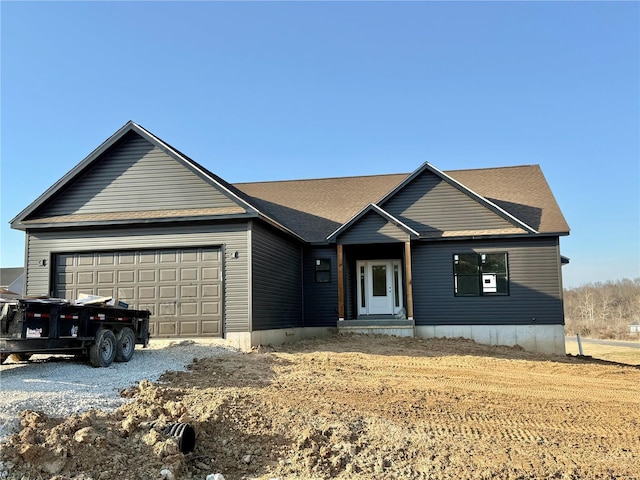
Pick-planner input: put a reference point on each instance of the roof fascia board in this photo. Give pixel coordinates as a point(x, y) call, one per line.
point(375, 208)
point(459, 186)
point(138, 221)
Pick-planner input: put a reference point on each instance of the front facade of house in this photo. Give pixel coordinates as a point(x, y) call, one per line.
point(469, 253)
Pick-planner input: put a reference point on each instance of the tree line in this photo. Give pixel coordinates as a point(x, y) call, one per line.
point(603, 309)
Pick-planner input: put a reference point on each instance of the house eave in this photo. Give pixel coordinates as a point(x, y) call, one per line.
point(130, 222)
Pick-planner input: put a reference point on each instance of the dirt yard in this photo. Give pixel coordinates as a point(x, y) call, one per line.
point(354, 407)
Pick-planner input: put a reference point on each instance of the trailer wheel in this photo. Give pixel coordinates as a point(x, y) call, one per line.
point(103, 351)
point(126, 344)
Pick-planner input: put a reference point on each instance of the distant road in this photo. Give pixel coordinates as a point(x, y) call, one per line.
point(614, 343)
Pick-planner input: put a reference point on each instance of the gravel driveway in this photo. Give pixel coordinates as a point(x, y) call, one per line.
point(60, 386)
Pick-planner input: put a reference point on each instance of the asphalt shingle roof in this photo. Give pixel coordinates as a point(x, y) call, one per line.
point(315, 208)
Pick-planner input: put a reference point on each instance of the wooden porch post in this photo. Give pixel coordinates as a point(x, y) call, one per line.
point(409, 285)
point(340, 284)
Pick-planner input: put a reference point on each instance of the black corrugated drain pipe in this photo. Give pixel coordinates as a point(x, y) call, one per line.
point(185, 434)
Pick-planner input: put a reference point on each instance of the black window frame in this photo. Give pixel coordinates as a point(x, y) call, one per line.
point(484, 275)
point(323, 270)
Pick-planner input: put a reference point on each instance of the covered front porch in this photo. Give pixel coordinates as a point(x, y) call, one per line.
point(375, 294)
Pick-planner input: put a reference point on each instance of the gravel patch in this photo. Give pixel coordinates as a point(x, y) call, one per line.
point(62, 385)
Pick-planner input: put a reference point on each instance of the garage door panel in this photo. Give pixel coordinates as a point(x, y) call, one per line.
point(169, 291)
point(188, 308)
point(211, 308)
point(211, 328)
point(106, 277)
point(126, 276)
point(167, 328)
point(168, 256)
point(146, 275)
point(146, 293)
point(106, 259)
point(106, 292)
point(85, 260)
point(210, 273)
point(180, 287)
point(189, 274)
point(126, 258)
point(188, 291)
point(168, 275)
point(211, 291)
point(210, 255)
point(189, 256)
point(85, 278)
point(188, 328)
point(167, 309)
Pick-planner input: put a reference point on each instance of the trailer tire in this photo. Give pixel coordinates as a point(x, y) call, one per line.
point(126, 344)
point(103, 351)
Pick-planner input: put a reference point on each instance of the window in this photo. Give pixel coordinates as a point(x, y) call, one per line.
point(323, 270)
point(479, 274)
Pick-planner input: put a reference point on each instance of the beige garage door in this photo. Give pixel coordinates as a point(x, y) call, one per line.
point(182, 288)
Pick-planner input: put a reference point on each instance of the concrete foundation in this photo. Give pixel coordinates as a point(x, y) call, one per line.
point(547, 339)
point(381, 330)
point(288, 335)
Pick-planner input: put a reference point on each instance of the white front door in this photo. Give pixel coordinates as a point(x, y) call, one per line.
point(379, 287)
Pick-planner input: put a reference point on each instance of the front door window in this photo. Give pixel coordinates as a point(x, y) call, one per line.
point(379, 279)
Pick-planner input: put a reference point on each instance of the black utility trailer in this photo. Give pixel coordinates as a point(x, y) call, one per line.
point(55, 326)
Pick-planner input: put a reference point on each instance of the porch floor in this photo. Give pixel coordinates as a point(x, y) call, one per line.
point(378, 325)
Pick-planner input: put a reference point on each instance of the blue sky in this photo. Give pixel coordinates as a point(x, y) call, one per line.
point(287, 90)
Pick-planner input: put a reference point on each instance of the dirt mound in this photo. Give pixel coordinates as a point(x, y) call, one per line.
point(355, 407)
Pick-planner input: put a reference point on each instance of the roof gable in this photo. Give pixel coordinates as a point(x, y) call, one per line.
point(373, 225)
point(134, 174)
point(435, 204)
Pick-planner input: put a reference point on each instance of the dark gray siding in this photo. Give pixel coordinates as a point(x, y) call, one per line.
point(230, 237)
point(535, 290)
point(320, 299)
point(276, 266)
point(136, 176)
point(372, 228)
point(429, 204)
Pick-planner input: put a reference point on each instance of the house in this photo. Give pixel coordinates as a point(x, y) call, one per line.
point(466, 253)
point(11, 282)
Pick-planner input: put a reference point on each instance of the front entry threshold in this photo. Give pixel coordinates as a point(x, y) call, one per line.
point(388, 325)
point(377, 321)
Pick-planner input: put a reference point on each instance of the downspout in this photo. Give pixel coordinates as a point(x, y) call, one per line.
point(340, 283)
